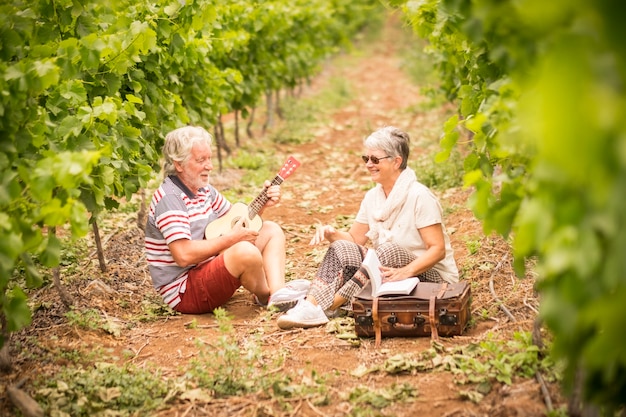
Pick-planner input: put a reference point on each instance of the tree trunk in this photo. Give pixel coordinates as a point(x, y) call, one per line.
point(237, 128)
point(66, 298)
point(576, 406)
point(279, 110)
point(23, 401)
point(218, 142)
point(5, 357)
point(249, 124)
point(269, 121)
point(142, 214)
point(220, 126)
point(96, 234)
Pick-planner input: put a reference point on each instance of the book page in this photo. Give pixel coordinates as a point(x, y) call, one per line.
point(403, 287)
point(372, 265)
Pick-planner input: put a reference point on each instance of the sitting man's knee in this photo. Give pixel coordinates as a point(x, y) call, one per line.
point(272, 227)
point(244, 251)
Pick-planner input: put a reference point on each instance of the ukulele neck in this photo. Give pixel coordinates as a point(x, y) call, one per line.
point(258, 203)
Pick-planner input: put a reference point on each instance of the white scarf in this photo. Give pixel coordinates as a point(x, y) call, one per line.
point(386, 209)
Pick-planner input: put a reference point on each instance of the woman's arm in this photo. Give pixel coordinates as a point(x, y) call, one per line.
point(356, 234)
point(436, 251)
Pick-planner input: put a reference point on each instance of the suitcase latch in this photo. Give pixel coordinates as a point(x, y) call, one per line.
point(365, 320)
point(446, 319)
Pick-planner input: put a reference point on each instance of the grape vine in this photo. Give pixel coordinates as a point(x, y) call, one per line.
point(89, 88)
point(540, 93)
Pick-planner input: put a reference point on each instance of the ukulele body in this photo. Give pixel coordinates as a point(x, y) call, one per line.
point(224, 224)
point(249, 213)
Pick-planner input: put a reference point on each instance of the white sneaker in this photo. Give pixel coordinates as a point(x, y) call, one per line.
point(304, 315)
point(288, 296)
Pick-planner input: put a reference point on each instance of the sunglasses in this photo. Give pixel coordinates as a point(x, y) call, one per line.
point(375, 160)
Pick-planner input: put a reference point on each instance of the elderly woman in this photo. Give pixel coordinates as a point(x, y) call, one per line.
point(401, 218)
point(195, 275)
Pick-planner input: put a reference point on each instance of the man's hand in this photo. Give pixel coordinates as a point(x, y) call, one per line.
point(240, 233)
point(273, 194)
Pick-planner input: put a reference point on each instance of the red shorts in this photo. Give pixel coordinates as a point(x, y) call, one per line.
point(209, 286)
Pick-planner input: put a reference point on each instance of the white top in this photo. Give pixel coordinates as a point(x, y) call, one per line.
point(420, 209)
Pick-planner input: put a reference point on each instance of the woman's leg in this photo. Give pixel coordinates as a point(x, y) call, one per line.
point(395, 256)
point(390, 254)
point(341, 262)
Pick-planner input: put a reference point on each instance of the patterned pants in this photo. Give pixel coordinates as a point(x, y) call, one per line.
point(340, 271)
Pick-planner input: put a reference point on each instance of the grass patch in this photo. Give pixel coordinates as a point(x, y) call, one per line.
point(364, 399)
point(228, 366)
point(92, 319)
point(104, 389)
point(479, 365)
point(440, 176)
point(302, 115)
point(419, 66)
point(231, 366)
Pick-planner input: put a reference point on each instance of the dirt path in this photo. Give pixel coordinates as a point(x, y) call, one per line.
point(327, 188)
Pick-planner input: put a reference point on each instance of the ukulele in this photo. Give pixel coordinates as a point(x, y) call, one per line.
point(250, 214)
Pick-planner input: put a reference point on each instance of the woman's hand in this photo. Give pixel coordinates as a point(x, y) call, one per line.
point(323, 232)
point(395, 274)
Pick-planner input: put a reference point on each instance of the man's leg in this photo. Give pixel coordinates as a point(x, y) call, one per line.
point(271, 243)
point(243, 260)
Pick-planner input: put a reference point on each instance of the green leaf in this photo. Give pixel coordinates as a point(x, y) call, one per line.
point(10, 247)
point(79, 219)
point(172, 8)
point(16, 310)
point(14, 72)
point(106, 110)
point(70, 126)
point(54, 213)
point(47, 72)
point(134, 99)
point(90, 48)
point(74, 91)
point(33, 276)
point(472, 177)
point(51, 255)
point(448, 141)
point(9, 187)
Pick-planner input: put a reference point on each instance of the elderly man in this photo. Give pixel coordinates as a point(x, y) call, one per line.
point(195, 274)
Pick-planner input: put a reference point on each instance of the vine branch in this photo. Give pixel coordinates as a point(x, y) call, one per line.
point(493, 292)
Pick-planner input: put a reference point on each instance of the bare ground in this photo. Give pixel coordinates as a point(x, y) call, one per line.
point(327, 188)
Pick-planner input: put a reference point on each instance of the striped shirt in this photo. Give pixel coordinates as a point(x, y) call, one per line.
point(177, 213)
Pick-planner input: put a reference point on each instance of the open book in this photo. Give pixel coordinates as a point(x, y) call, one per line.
point(372, 266)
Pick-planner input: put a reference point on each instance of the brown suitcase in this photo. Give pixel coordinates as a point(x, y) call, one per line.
point(430, 310)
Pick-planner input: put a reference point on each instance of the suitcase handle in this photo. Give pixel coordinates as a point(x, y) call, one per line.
point(404, 327)
point(417, 322)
